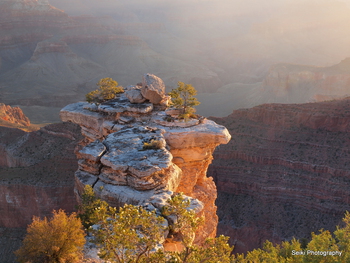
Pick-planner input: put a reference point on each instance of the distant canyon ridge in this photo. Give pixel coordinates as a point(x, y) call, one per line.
point(54, 52)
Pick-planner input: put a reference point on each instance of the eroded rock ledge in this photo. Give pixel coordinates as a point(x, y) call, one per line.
point(113, 159)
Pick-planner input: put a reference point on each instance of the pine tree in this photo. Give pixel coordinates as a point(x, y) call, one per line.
point(183, 98)
point(87, 210)
point(107, 90)
point(128, 234)
point(132, 234)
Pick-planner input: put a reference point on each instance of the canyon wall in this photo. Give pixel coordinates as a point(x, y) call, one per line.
point(21, 201)
point(285, 173)
point(36, 172)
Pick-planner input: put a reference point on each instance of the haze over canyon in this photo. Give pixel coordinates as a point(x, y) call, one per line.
point(53, 52)
point(285, 171)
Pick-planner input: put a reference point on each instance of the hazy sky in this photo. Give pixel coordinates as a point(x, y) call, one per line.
point(226, 47)
point(260, 33)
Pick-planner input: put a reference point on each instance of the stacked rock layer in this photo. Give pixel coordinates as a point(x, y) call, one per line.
point(133, 154)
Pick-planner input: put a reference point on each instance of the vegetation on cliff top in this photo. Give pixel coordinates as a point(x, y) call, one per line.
point(107, 89)
point(183, 98)
point(153, 144)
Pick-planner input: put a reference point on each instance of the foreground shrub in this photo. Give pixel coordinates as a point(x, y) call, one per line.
point(59, 239)
point(131, 234)
point(87, 210)
point(128, 234)
point(323, 247)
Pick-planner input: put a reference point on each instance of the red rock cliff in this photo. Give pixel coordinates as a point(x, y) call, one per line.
point(285, 172)
point(13, 115)
point(36, 172)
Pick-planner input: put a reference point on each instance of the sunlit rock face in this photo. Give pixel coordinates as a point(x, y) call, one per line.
point(285, 173)
point(13, 115)
point(153, 88)
point(116, 159)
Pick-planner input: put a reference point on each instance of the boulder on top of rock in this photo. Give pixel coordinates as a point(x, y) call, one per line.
point(135, 96)
point(153, 88)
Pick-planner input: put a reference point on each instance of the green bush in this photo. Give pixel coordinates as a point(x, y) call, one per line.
point(59, 239)
point(128, 234)
point(322, 242)
point(107, 90)
point(88, 208)
point(183, 98)
point(131, 234)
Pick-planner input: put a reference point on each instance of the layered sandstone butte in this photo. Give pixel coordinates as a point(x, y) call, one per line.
point(115, 157)
point(285, 173)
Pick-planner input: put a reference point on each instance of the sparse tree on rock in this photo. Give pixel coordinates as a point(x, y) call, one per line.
point(131, 233)
point(185, 221)
point(214, 250)
point(107, 90)
point(87, 210)
point(183, 98)
point(128, 234)
point(59, 239)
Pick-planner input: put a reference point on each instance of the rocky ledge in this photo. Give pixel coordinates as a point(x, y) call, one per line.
point(133, 154)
